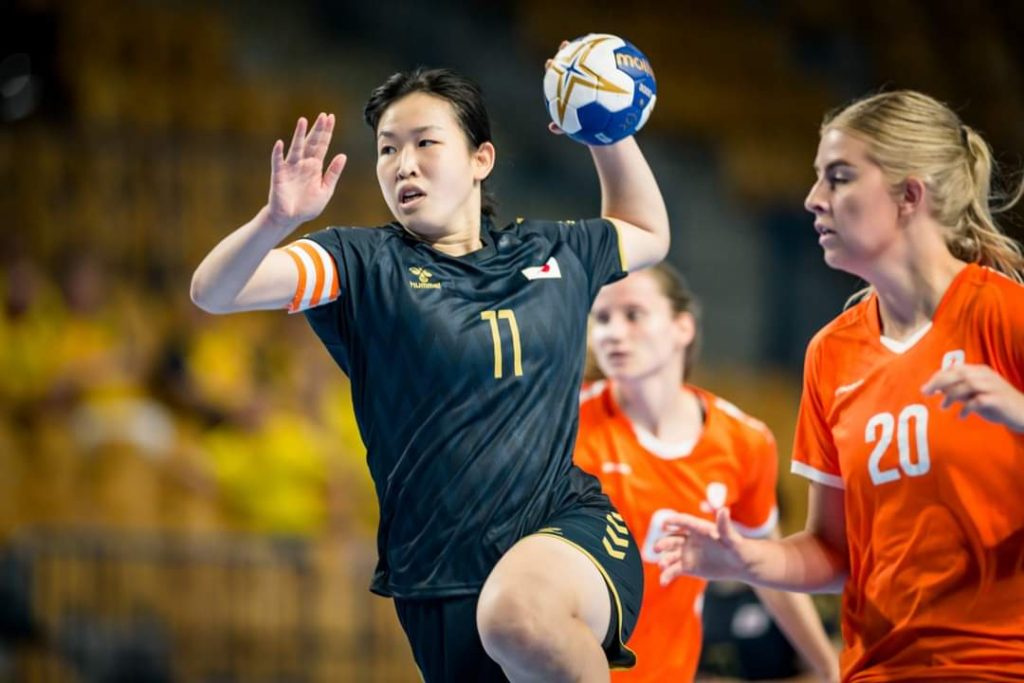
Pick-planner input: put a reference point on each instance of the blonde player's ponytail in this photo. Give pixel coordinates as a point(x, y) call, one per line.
point(976, 237)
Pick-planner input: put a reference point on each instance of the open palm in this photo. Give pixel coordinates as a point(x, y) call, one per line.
point(697, 547)
point(299, 186)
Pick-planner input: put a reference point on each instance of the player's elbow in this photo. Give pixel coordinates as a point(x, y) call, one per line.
point(646, 243)
point(655, 227)
point(204, 298)
point(661, 240)
point(835, 565)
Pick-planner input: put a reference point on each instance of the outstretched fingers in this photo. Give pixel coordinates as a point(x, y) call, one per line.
point(298, 141)
point(277, 157)
point(675, 563)
point(319, 138)
point(684, 524)
point(723, 528)
point(675, 555)
point(966, 384)
point(333, 172)
point(946, 381)
point(698, 547)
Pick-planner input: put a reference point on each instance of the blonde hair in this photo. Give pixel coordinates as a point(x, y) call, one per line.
point(911, 134)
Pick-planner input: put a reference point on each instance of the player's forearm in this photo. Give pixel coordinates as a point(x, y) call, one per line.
point(229, 266)
point(629, 191)
point(798, 619)
point(802, 562)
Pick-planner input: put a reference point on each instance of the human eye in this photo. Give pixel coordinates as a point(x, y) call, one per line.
point(427, 142)
point(386, 150)
point(634, 314)
point(836, 178)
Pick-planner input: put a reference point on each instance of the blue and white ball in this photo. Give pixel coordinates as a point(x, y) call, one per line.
point(600, 89)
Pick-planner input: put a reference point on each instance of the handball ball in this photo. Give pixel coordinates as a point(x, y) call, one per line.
point(599, 89)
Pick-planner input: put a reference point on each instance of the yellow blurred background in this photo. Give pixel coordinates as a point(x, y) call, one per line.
point(184, 497)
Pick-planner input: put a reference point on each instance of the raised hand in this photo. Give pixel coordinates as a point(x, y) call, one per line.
point(979, 389)
point(697, 547)
point(299, 186)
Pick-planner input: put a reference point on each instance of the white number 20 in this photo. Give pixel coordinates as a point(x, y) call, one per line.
point(880, 430)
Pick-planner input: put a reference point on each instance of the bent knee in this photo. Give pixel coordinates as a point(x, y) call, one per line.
point(513, 622)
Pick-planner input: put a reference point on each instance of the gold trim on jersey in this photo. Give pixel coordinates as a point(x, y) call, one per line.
point(615, 524)
point(611, 586)
point(622, 249)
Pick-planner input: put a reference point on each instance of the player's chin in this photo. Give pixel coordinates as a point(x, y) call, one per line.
point(620, 372)
point(838, 259)
point(420, 224)
point(834, 258)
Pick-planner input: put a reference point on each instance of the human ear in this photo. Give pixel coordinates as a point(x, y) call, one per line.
point(483, 160)
point(687, 328)
point(912, 195)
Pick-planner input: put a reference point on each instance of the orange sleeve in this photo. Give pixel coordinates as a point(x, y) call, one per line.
point(814, 452)
point(585, 458)
point(1007, 329)
point(318, 275)
point(585, 455)
point(756, 513)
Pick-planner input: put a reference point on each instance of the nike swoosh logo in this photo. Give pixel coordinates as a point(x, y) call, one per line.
point(846, 388)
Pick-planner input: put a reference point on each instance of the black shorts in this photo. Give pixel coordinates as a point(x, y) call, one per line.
point(443, 634)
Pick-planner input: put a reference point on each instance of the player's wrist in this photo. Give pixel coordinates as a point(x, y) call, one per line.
point(753, 560)
point(614, 150)
point(1016, 416)
point(273, 221)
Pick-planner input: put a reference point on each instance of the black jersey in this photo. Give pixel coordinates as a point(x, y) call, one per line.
point(465, 374)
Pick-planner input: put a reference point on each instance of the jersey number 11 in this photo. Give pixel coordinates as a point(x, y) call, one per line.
point(517, 353)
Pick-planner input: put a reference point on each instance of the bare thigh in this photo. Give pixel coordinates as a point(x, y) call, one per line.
point(557, 579)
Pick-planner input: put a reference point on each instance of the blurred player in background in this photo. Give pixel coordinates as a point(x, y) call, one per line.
point(464, 345)
point(659, 446)
point(915, 507)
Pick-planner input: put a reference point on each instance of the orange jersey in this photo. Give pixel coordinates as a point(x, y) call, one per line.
point(733, 464)
point(934, 510)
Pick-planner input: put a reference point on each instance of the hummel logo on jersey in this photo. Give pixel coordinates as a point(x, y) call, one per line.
point(716, 495)
point(953, 358)
point(423, 279)
point(549, 271)
point(847, 388)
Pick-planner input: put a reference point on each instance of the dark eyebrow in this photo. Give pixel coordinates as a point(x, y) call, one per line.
point(834, 164)
point(414, 131)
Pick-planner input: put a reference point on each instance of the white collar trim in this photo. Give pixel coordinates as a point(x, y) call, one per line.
point(903, 346)
point(663, 449)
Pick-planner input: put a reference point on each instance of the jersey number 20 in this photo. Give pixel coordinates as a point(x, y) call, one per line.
point(880, 430)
